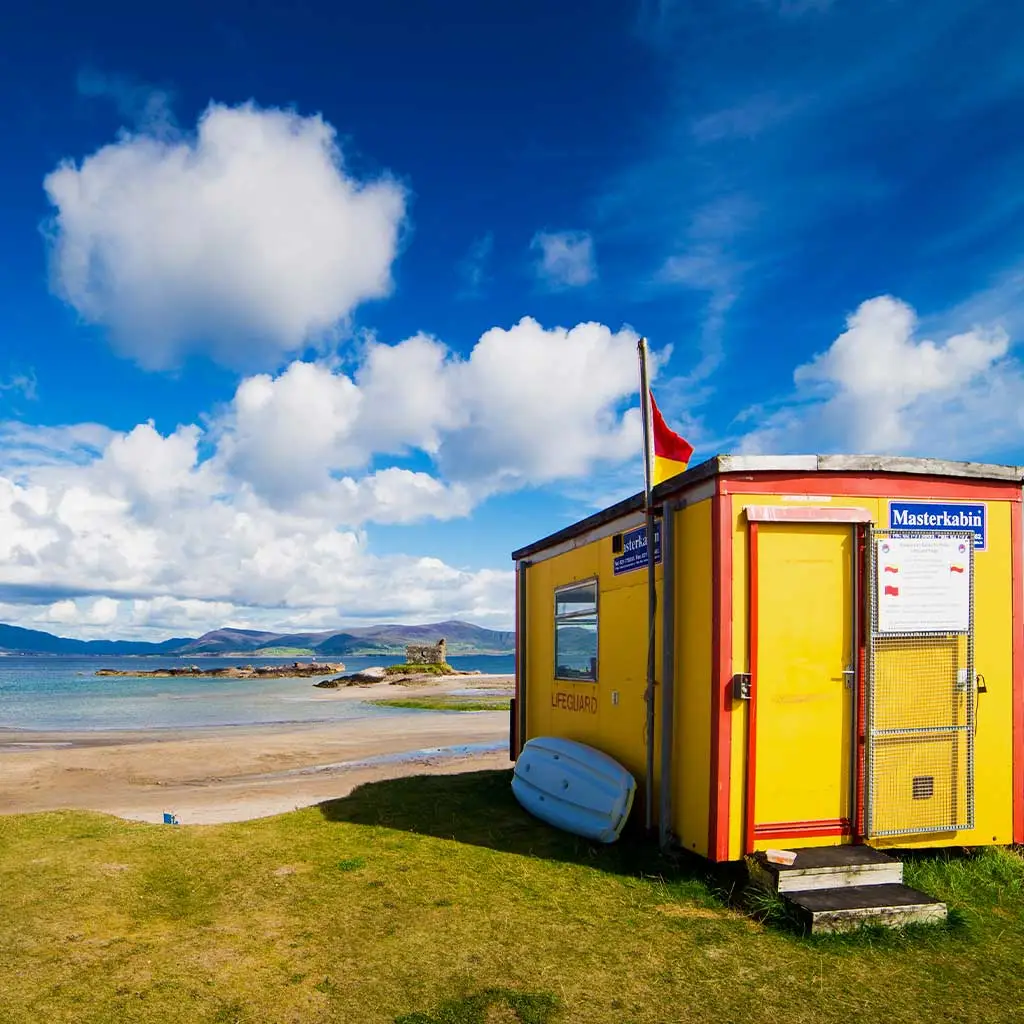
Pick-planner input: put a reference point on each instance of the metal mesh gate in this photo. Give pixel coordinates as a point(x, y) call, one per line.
point(920, 705)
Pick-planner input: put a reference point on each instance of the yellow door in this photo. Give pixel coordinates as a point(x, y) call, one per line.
point(803, 685)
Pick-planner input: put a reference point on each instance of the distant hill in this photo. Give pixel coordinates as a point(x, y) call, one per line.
point(371, 641)
point(462, 638)
point(33, 641)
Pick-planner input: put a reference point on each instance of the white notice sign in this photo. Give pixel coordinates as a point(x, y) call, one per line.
point(924, 584)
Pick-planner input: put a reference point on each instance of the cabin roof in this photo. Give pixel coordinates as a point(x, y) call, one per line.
point(721, 464)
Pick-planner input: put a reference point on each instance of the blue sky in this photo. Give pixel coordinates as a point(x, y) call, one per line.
point(312, 315)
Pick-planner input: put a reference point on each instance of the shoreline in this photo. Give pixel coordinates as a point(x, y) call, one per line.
point(295, 670)
point(364, 692)
point(210, 774)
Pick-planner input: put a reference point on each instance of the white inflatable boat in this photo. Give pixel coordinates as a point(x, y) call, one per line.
point(574, 787)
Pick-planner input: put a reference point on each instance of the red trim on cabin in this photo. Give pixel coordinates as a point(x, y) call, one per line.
point(716, 655)
point(806, 514)
point(867, 485)
point(721, 674)
point(1017, 617)
point(797, 829)
point(860, 723)
point(513, 725)
point(751, 773)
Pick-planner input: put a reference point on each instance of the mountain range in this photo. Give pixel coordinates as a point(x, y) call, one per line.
point(370, 641)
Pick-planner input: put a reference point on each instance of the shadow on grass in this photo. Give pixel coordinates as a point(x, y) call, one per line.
point(478, 808)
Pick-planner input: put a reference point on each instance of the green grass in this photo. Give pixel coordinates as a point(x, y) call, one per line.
point(530, 1008)
point(443, 702)
point(420, 670)
point(437, 900)
point(352, 864)
point(285, 652)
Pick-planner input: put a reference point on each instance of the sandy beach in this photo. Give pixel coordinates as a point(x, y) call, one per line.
point(206, 776)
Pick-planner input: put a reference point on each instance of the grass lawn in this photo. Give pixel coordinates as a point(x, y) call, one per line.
point(445, 702)
point(436, 900)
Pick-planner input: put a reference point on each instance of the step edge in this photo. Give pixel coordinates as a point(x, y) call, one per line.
point(853, 868)
point(888, 910)
point(798, 886)
point(877, 857)
point(824, 925)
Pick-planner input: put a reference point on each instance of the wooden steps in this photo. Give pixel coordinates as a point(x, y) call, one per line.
point(841, 888)
point(848, 907)
point(827, 867)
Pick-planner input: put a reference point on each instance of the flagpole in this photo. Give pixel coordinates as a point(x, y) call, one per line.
point(652, 594)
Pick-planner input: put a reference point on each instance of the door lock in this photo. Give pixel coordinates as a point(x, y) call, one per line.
point(849, 674)
point(741, 686)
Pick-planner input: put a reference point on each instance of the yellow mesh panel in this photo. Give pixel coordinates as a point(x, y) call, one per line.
point(920, 730)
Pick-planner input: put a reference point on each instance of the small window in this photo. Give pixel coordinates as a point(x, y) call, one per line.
point(576, 632)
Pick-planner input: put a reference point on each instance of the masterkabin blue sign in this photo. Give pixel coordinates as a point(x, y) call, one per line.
point(941, 517)
point(634, 550)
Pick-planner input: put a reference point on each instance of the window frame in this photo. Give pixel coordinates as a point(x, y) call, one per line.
point(567, 618)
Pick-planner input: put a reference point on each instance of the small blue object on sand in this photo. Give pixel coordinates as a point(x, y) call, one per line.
point(170, 819)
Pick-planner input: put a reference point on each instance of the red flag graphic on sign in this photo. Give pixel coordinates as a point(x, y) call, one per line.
point(891, 568)
point(956, 568)
point(892, 591)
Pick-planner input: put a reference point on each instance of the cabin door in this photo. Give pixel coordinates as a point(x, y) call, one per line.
point(803, 597)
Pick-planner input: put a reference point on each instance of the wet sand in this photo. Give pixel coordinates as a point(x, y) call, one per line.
point(236, 773)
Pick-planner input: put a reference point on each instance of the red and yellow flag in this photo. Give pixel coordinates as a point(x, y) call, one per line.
point(670, 452)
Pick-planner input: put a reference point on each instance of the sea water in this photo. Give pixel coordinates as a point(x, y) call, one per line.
point(58, 693)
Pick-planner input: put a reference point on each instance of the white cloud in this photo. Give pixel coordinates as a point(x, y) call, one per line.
point(289, 432)
point(408, 396)
point(100, 611)
point(173, 613)
point(538, 405)
point(529, 405)
point(21, 445)
point(257, 517)
point(248, 240)
point(566, 258)
point(62, 612)
point(193, 556)
point(881, 389)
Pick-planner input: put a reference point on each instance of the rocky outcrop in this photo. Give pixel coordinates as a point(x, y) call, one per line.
point(295, 670)
point(367, 677)
point(396, 675)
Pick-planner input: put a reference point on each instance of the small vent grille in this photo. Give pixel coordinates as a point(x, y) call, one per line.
point(617, 544)
point(923, 787)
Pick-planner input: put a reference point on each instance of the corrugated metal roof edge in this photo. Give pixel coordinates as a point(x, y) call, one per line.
point(719, 464)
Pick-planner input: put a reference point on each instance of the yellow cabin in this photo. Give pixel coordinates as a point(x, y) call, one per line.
point(839, 652)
